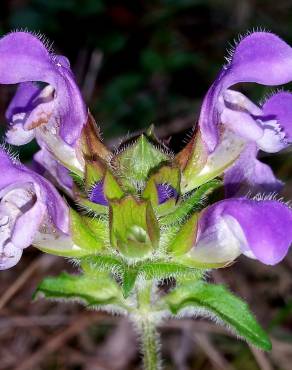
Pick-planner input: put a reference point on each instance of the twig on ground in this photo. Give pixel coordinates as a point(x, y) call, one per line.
point(56, 341)
point(43, 262)
point(211, 352)
point(261, 359)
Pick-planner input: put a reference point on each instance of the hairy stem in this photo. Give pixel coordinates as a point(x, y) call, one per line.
point(146, 325)
point(150, 345)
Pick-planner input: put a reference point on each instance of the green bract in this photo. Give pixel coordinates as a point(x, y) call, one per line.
point(134, 229)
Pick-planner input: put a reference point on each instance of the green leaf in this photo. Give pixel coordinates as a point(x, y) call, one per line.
point(101, 291)
point(129, 279)
point(193, 203)
point(218, 301)
point(82, 235)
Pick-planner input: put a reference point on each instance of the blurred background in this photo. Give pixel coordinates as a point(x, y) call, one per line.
point(137, 63)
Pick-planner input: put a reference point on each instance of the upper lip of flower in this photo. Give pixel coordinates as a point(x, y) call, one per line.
point(269, 63)
point(24, 58)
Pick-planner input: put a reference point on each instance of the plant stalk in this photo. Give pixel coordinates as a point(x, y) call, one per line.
point(146, 324)
point(150, 345)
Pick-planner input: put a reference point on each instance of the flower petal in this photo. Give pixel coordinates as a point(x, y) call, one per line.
point(249, 175)
point(56, 173)
point(22, 101)
point(279, 108)
point(9, 256)
point(26, 225)
point(260, 57)
point(17, 174)
point(165, 192)
point(97, 194)
point(24, 58)
point(242, 123)
point(262, 228)
point(17, 135)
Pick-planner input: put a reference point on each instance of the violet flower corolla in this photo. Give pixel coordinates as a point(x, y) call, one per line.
point(55, 113)
point(47, 165)
point(259, 229)
point(31, 212)
point(263, 58)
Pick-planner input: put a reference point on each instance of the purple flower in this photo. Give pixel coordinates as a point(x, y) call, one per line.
point(260, 229)
point(31, 212)
point(248, 174)
point(263, 58)
point(55, 114)
point(97, 194)
point(165, 192)
point(54, 171)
